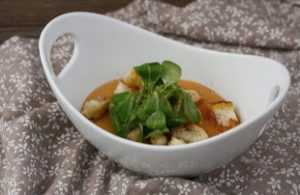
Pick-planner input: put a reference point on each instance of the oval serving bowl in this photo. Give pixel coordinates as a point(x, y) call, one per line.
point(105, 49)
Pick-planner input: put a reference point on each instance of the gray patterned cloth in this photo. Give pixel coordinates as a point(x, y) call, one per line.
point(42, 153)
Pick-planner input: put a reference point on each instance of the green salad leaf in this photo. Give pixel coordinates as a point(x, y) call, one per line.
point(157, 132)
point(171, 72)
point(190, 109)
point(150, 74)
point(159, 105)
point(152, 103)
point(123, 112)
point(157, 120)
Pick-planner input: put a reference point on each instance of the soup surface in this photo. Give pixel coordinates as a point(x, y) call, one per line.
point(208, 96)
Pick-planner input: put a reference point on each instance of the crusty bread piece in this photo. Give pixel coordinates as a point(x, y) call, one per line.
point(194, 95)
point(132, 79)
point(189, 133)
point(134, 134)
point(223, 112)
point(95, 108)
point(160, 139)
point(121, 87)
point(175, 141)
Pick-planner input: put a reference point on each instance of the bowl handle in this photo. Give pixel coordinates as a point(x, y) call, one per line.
point(65, 24)
point(274, 94)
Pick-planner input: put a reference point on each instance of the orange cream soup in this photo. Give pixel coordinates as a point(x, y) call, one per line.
point(208, 96)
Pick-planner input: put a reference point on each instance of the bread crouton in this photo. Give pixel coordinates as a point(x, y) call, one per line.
point(189, 133)
point(95, 108)
point(160, 139)
point(134, 134)
point(175, 141)
point(132, 79)
point(224, 114)
point(194, 95)
point(121, 87)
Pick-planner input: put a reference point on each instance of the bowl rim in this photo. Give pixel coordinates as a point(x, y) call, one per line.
point(63, 100)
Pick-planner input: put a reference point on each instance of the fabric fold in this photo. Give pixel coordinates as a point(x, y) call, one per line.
point(264, 24)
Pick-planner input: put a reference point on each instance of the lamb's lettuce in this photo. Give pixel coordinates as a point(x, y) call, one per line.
point(159, 104)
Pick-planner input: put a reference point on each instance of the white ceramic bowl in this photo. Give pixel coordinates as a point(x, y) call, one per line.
point(106, 48)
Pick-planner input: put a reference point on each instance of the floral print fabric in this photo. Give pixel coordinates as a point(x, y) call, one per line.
point(42, 153)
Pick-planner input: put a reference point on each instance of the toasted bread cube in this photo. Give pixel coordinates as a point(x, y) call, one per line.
point(189, 133)
point(224, 114)
point(194, 95)
point(160, 139)
point(95, 108)
point(175, 141)
point(121, 87)
point(132, 79)
point(134, 134)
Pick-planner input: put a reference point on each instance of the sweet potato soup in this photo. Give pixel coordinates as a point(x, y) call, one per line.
point(208, 97)
point(151, 104)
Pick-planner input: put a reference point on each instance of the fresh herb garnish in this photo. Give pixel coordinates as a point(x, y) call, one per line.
point(159, 104)
point(171, 72)
point(150, 74)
